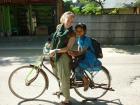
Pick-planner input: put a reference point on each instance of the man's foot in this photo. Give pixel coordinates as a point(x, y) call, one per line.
point(65, 103)
point(86, 83)
point(57, 93)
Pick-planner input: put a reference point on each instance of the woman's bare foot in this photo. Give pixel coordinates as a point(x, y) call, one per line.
point(86, 83)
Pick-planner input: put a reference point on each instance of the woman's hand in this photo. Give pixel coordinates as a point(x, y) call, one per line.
point(52, 53)
point(73, 53)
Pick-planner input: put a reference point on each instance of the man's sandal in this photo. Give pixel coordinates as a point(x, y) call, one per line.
point(58, 94)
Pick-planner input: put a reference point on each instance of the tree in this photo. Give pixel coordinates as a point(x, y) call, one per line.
point(88, 7)
point(100, 2)
point(135, 3)
point(67, 5)
point(91, 8)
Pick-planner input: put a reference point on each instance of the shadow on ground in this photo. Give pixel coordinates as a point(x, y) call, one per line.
point(74, 102)
point(4, 61)
point(125, 49)
point(12, 56)
point(20, 52)
point(20, 56)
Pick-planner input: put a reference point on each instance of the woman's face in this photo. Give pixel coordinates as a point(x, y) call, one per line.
point(79, 31)
point(68, 21)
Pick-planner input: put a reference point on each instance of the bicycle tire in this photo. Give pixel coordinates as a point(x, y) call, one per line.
point(21, 69)
point(81, 93)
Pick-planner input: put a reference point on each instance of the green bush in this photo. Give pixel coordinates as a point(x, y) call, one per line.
point(90, 8)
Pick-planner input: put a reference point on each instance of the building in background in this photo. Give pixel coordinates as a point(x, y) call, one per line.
point(29, 17)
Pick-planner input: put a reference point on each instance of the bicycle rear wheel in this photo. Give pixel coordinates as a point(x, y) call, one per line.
point(28, 82)
point(99, 85)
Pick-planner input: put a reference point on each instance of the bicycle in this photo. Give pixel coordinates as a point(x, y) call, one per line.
point(31, 81)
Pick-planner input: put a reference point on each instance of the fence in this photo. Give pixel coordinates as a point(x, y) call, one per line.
point(113, 29)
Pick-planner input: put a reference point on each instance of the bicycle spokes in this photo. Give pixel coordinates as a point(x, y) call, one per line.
point(27, 82)
point(99, 85)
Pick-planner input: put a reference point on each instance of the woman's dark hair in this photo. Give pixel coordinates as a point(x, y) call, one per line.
point(81, 25)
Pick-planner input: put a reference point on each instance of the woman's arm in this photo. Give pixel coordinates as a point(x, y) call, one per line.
point(66, 49)
point(78, 52)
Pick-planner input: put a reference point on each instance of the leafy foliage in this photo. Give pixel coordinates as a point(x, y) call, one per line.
point(85, 6)
point(114, 11)
point(94, 6)
point(135, 3)
point(91, 8)
point(76, 10)
point(67, 5)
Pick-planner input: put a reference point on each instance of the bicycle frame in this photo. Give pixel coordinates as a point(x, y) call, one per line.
point(79, 83)
point(96, 85)
point(43, 65)
point(39, 69)
point(35, 71)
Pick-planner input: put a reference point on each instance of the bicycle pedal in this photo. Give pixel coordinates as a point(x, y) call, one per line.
point(111, 89)
point(58, 94)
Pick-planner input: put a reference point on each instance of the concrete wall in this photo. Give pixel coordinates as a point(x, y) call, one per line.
point(113, 29)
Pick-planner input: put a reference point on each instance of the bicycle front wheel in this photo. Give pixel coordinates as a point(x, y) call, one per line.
point(27, 82)
point(99, 85)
